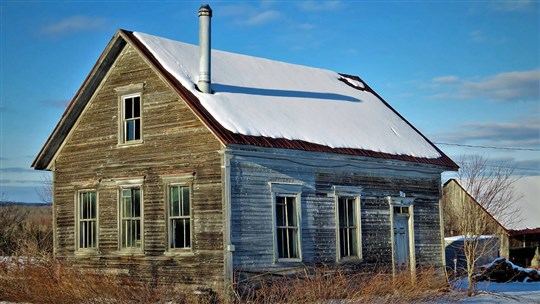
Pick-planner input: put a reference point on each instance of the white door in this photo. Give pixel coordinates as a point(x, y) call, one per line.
point(401, 241)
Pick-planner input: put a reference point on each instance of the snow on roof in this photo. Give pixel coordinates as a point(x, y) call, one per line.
point(261, 97)
point(528, 188)
point(461, 238)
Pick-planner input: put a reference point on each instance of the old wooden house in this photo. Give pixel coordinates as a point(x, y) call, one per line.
point(172, 167)
point(515, 240)
point(461, 207)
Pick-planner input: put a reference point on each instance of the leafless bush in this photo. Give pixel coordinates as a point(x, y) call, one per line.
point(338, 286)
point(51, 281)
point(25, 230)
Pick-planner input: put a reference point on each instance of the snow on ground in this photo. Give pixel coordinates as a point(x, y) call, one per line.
point(503, 293)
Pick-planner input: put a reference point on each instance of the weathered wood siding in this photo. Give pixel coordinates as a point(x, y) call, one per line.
point(252, 223)
point(174, 141)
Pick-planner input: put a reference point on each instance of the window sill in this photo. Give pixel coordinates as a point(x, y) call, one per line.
point(132, 143)
point(346, 260)
point(87, 252)
point(179, 252)
point(130, 252)
point(281, 260)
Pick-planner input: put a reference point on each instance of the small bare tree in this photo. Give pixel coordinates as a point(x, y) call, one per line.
point(491, 185)
point(45, 190)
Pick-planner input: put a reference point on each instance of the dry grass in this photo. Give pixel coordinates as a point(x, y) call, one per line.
point(49, 281)
point(324, 285)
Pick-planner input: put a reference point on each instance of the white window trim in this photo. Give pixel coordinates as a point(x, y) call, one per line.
point(124, 92)
point(123, 184)
point(169, 232)
point(178, 179)
point(287, 190)
point(349, 192)
point(78, 249)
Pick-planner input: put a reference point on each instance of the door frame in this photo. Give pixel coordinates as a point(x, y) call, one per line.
point(402, 201)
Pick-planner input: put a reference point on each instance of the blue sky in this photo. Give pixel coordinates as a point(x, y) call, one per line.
point(462, 72)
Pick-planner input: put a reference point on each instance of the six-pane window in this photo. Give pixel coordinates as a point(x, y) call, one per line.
point(130, 223)
point(348, 229)
point(87, 210)
point(179, 217)
point(132, 118)
point(287, 227)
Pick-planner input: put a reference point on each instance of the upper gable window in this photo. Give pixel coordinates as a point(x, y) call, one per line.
point(130, 113)
point(132, 118)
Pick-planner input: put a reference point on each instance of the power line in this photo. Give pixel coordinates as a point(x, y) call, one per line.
point(504, 166)
point(487, 147)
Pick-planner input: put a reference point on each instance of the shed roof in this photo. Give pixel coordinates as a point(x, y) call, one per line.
point(268, 103)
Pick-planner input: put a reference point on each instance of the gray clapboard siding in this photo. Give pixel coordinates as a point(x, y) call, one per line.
point(251, 203)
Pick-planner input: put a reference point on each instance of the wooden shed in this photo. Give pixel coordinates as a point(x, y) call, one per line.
point(276, 167)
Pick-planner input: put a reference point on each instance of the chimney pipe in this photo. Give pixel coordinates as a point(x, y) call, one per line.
point(205, 13)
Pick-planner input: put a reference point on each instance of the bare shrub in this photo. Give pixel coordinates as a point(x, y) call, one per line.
point(51, 281)
point(491, 185)
point(25, 230)
point(323, 284)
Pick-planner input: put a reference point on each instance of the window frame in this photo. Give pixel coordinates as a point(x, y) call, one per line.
point(349, 192)
point(124, 184)
point(291, 191)
point(134, 118)
point(126, 92)
point(357, 244)
point(170, 218)
point(78, 247)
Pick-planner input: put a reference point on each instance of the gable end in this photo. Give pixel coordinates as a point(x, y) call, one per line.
point(78, 103)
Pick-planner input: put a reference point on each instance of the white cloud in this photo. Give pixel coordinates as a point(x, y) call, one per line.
point(477, 36)
point(320, 5)
point(524, 133)
point(505, 87)
point(74, 25)
point(513, 5)
point(262, 18)
point(446, 79)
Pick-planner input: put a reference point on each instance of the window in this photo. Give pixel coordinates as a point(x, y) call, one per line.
point(179, 216)
point(130, 106)
point(347, 227)
point(287, 227)
point(348, 222)
point(132, 118)
point(130, 218)
point(87, 220)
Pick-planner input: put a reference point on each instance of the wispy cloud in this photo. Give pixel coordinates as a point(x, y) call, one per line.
point(60, 103)
point(524, 167)
point(320, 5)
point(514, 5)
point(305, 26)
point(499, 134)
point(503, 87)
point(479, 36)
point(446, 79)
point(251, 15)
point(262, 18)
point(73, 25)
point(16, 170)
